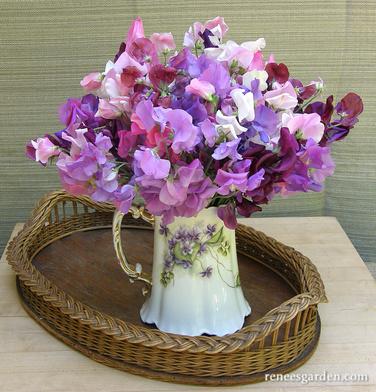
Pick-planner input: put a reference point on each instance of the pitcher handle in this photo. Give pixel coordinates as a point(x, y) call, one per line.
point(134, 272)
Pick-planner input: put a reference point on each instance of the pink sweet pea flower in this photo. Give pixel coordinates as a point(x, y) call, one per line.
point(113, 108)
point(201, 88)
point(308, 125)
point(135, 31)
point(164, 42)
point(44, 149)
point(91, 82)
point(217, 24)
point(283, 97)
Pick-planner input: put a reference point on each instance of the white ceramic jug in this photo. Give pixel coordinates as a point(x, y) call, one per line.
point(195, 284)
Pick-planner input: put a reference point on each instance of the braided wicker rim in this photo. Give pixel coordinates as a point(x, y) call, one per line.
point(17, 256)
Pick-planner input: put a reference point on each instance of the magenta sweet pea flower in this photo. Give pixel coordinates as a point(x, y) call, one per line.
point(228, 215)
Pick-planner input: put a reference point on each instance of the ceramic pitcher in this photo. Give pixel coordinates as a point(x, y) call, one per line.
point(195, 282)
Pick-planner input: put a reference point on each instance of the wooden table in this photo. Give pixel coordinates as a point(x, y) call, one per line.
point(33, 361)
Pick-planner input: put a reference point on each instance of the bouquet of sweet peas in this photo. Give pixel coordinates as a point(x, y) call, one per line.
point(214, 124)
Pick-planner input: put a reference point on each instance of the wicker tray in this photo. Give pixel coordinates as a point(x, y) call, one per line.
point(69, 283)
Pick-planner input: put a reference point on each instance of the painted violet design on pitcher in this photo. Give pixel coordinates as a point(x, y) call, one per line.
point(196, 286)
point(186, 248)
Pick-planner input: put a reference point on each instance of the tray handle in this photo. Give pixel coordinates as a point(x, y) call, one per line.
point(134, 272)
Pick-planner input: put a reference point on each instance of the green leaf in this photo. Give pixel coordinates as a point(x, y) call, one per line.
point(217, 238)
point(196, 248)
point(178, 253)
point(237, 281)
point(166, 277)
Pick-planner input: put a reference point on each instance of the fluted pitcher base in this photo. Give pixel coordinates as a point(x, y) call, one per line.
point(196, 286)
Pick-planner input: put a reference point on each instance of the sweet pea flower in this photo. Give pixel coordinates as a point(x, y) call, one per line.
point(283, 97)
point(151, 164)
point(44, 149)
point(192, 35)
point(216, 28)
point(123, 198)
point(186, 135)
point(228, 215)
point(261, 76)
point(307, 126)
point(244, 103)
point(164, 42)
point(228, 150)
point(229, 125)
point(88, 169)
point(201, 88)
point(234, 180)
point(319, 161)
point(92, 82)
point(113, 108)
point(232, 52)
point(135, 31)
point(217, 24)
point(209, 132)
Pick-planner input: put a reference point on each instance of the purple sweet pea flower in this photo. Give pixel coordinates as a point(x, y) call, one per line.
point(266, 120)
point(234, 180)
point(186, 61)
point(216, 74)
point(254, 181)
point(105, 183)
point(76, 113)
point(184, 194)
point(88, 169)
point(228, 150)
point(209, 132)
point(192, 105)
point(228, 215)
point(186, 135)
point(151, 164)
point(124, 197)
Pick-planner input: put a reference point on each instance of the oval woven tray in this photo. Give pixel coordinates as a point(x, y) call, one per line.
point(69, 282)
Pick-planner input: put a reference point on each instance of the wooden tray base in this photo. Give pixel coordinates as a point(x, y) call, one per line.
point(170, 377)
point(71, 284)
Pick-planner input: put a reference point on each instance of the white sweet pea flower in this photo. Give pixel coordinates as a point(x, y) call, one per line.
point(109, 66)
point(227, 130)
point(254, 46)
point(231, 51)
point(261, 76)
point(228, 125)
point(244, 103)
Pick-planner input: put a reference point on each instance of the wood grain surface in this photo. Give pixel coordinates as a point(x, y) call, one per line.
point(105, 287)
point(31, 360)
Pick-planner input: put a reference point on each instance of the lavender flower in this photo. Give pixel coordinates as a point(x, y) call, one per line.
point(207, 272)
point(210, 230)
point(164, 230)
